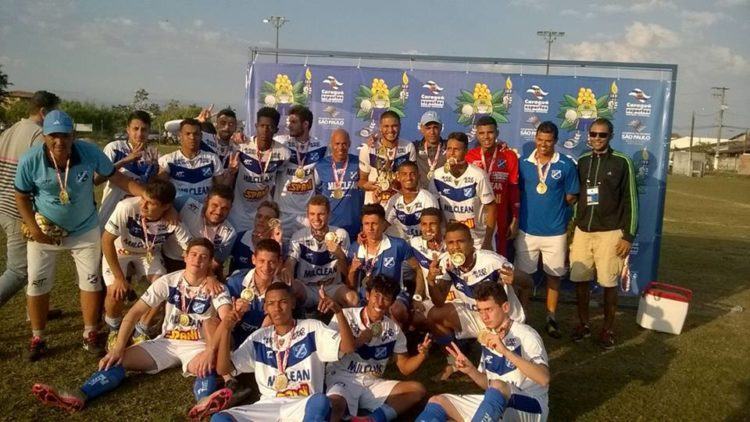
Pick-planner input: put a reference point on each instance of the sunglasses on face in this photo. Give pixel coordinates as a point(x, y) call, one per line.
point(602, 135)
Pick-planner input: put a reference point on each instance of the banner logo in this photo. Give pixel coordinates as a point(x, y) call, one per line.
point(282, 92)
point(577, 114)
point(640, 108)
point(483, 102)
point(374, 100)
point(332, 93)
point(433, 97)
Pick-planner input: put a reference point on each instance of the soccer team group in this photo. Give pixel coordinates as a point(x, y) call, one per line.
point(251, 244)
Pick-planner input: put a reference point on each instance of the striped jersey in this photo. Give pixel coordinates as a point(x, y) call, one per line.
point(191, 216)
point(372, 161)
point(125, 223)
point(14, 142)
point(314, 263)
point(191, 176)
point(404, 218)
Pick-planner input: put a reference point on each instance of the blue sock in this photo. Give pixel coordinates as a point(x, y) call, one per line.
point(384, 413)
point(101, 382)
point(318, 408)
point(433, 412)
point(492, 407)
point(204, 386)
point(221, 417)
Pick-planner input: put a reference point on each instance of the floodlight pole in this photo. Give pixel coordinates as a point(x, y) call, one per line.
point(550, 37)
point(721, 92)
point(277, 22)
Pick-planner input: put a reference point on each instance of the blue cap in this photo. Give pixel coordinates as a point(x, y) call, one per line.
point(429, 117)
point(57, 121)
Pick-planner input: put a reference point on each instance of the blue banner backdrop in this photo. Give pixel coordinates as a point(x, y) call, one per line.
point(354, 97)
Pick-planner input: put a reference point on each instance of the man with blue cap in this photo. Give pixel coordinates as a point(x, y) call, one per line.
point(431, 148)
point(55, 196)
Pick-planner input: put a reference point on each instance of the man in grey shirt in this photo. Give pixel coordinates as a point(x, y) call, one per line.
point(14, 142)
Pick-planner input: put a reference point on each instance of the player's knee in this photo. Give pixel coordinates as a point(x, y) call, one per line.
point(438, 400)
point(338, 404)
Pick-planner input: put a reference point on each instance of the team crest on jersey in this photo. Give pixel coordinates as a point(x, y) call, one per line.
point(82, 176)
point(206, 171)
point(467, 191)
point(300, 351)
point(556, 174)
point(501, 163)
point(193, 206)
point(199, 307)
point(389, 262)
point(381, 353)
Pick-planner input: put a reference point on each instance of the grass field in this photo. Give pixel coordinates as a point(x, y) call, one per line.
point(702, 374)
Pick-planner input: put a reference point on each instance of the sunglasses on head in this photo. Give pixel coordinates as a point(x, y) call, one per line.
point(599, 135)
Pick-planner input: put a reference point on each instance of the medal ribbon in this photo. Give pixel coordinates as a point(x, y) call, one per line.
point(263, 168)
point(205, 232)
point(338, 174)
point(183, 293)
point(282, 356)
point(144, 226)
point(63, 186)
point(484, 163)
point(388, 156)
point(301, 153)
point(432, 163)
point(540, 170)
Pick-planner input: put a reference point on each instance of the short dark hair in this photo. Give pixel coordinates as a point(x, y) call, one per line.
point(604, 121)
point(190, 122)
point(486, 121)
point(269, 112)
point(385, 285)
point(201, 241)
point(547, 127)
point(460, 137)
point(320, 200)
point(457, 227)
point(373, 209)
point(161, 190)
point(272, 205)
point(491, 290)
point(139, 115)
point(227, 112)
point(268, 245)
point(222, 191)
point(278, 285)
point(43, 100)
point(432, 212)
point(303, 113)
point(390, 113)
point(408, 163)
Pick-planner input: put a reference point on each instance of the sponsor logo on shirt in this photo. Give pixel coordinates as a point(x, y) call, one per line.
point(255, 194)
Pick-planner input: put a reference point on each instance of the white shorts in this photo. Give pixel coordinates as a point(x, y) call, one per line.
point(368, 393)
point(467, 405)
point(271, 409)
point(86, 250)
point(168, 353)
point(312, 298)
point(135, 265)
point(552, 248)
point(471, 323)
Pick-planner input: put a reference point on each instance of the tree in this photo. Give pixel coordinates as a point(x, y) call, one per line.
point(140, 99)
point(3, 84)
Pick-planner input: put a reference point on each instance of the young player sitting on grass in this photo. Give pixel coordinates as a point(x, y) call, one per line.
point(288, 359)
point(184, 340)
point(356, 380)
point(513, 369)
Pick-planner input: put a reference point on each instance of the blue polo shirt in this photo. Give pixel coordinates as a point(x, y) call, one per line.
point(345, 212)
point(546, 214)
point(36, 176)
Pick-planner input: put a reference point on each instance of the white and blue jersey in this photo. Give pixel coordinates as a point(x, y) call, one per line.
point(253, 318)
point(423, 254)
point(371, 161)
point(525, 342)
point(191, 176)
point(255, 180)
point(404, 218)
point(314, 263)
point(191, 216)
point(372, 358)
point(388, 261)
point(464, 198)
point(242, 252)
point(36, 176)
point(292, 192)
point(126, 223)
point(140, 170)
point(486, 268)
point(546, 214)
point(345, 212)
point(309, 345)
point(211, 143)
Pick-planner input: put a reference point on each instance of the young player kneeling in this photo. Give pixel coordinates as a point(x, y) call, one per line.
point(356, 380)
point(513, 369)
point(184, 340)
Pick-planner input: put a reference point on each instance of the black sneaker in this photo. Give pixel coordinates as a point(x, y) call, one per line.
point(607, 339)
point(552, 328)
point(37, 349)
point(581, 332)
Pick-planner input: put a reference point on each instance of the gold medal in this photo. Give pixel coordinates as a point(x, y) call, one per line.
point(541, 188)
point(281, 382)
point(247, 294)
point(184, 320)
point(430, 174)
point(299, 173)
point(331, 237)
point(337, 193)
point(64, 197)
point(149, 257)
point(376, 328)
point(458, 259)
point(483, 337)
point(273, 223)
point(384, 184)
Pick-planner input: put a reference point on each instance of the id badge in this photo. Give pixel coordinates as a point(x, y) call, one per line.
point(592, 196)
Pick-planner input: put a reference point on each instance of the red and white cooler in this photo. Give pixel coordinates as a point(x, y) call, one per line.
point(663, 307)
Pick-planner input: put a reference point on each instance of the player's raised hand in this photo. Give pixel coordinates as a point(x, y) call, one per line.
point(238, 137)
point(434, 271)
point(234, 163)
point(424, 347)
point(326, 304)
point(462, 363)
point(205, 114)
point(213, 286)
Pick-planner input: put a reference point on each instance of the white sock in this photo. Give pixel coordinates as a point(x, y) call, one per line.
point(37, 333)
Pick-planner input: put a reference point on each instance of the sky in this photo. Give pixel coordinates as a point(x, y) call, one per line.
point(197, 51)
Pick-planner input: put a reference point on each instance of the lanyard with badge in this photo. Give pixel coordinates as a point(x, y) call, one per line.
point(592, 191)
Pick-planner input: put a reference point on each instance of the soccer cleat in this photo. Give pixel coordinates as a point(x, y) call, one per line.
point(552, 328)
point(607, 339)
point(37, 349)
point(216, 402)
point(91, 343)
point(111, 340)
point(50, 397)
point(581, 332)
point(139, 337)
